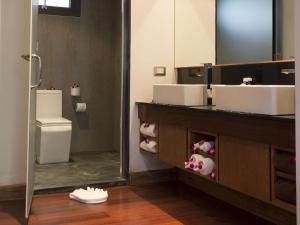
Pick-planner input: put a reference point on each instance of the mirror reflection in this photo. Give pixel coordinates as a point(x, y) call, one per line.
point(254, 30)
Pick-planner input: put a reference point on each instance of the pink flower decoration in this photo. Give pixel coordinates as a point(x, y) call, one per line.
point(194, 149)
point(200, 165)
point(201, 142)
point(51, 87)
point(213, 176)
point(212, 152)
point(293, 160)
point(189, 165)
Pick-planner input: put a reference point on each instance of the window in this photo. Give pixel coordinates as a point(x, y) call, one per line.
point(60, 7)
point(55, 3)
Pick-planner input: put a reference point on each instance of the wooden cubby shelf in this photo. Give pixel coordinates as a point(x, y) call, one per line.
point(280, 173)
point(247, 175)
point(195, 136)
point(156, 139)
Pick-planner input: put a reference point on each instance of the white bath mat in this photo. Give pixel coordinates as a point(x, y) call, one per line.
point(89, 196)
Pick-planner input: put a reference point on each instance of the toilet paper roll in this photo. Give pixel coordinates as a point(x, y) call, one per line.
point(75, 91)
point(80, 107)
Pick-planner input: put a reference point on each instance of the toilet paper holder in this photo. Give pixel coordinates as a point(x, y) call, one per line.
point(80, 107)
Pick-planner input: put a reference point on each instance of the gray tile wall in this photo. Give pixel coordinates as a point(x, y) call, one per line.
point(86, 50)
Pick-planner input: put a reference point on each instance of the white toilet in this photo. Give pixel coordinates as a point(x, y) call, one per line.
point(53, 132)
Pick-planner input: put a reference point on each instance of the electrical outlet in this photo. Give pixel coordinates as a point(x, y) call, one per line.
point(160, 71)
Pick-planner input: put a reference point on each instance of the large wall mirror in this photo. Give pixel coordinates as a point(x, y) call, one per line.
point(254, 30)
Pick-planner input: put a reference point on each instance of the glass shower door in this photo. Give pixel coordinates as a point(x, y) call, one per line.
point(34, 75)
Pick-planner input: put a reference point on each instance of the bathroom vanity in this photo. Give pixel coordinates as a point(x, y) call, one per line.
point(255, 155)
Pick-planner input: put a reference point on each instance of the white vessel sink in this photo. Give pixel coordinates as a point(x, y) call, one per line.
point(180, 94)
point(261, 99)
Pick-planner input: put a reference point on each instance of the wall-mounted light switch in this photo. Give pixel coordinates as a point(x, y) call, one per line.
point(160, 71)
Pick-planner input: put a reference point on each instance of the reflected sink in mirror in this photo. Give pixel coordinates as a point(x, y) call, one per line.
point(180, 94)
point(260, 99)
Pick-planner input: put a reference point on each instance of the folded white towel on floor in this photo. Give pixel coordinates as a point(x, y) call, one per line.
point(148, 129)
point(149, 146)
point(206, 166)
point(89, 196)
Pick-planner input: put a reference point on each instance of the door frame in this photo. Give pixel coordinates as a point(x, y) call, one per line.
point(125, 108)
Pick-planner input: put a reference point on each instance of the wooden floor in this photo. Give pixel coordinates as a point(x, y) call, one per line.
point(167, 204)
point(12, 212)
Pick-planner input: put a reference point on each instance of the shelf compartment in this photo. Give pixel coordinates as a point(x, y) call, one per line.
point(283, 178)
point(195, 136)
point(156, 139)
point(284, 161)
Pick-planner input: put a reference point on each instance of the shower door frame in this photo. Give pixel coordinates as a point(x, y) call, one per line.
point(125, 96)
point(125, 106)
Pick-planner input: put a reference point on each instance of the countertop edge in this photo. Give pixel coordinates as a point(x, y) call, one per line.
point(287, 118)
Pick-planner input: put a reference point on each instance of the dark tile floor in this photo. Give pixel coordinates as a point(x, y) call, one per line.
point(83, 168)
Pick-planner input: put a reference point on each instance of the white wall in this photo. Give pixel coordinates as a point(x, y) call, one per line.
point(288, 24)
point(195, 38)
point(152, 44)
point(14, 81)
point(297, 51)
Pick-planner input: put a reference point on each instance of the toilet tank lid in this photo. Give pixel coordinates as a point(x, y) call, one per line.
point(53, 121)
point(49, 91)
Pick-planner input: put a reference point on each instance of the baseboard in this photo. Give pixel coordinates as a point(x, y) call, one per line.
point(12, 192)
point(153, 176)
point(108, 184)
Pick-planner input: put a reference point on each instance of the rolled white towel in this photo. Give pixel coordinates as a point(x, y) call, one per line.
point(149, 146)
point(197, 145)
point(152, 146)
point(193, 162)
point(206, 166)
point(196, 158)
point(148, 129)
point(143, 145)
point(206, 146)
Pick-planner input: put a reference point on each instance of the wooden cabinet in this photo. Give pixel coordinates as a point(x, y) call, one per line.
point(244, 166)
point(172, 144)
point(195, 38)
point(248, 175)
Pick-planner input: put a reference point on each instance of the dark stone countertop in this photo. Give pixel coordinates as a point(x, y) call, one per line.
point(212, 109)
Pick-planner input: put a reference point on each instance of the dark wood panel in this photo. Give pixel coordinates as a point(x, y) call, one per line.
point(172, 144)
point(154, 176)
point(255, 206)
point(264, 129)
point(244, 166)
point(12, 192)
